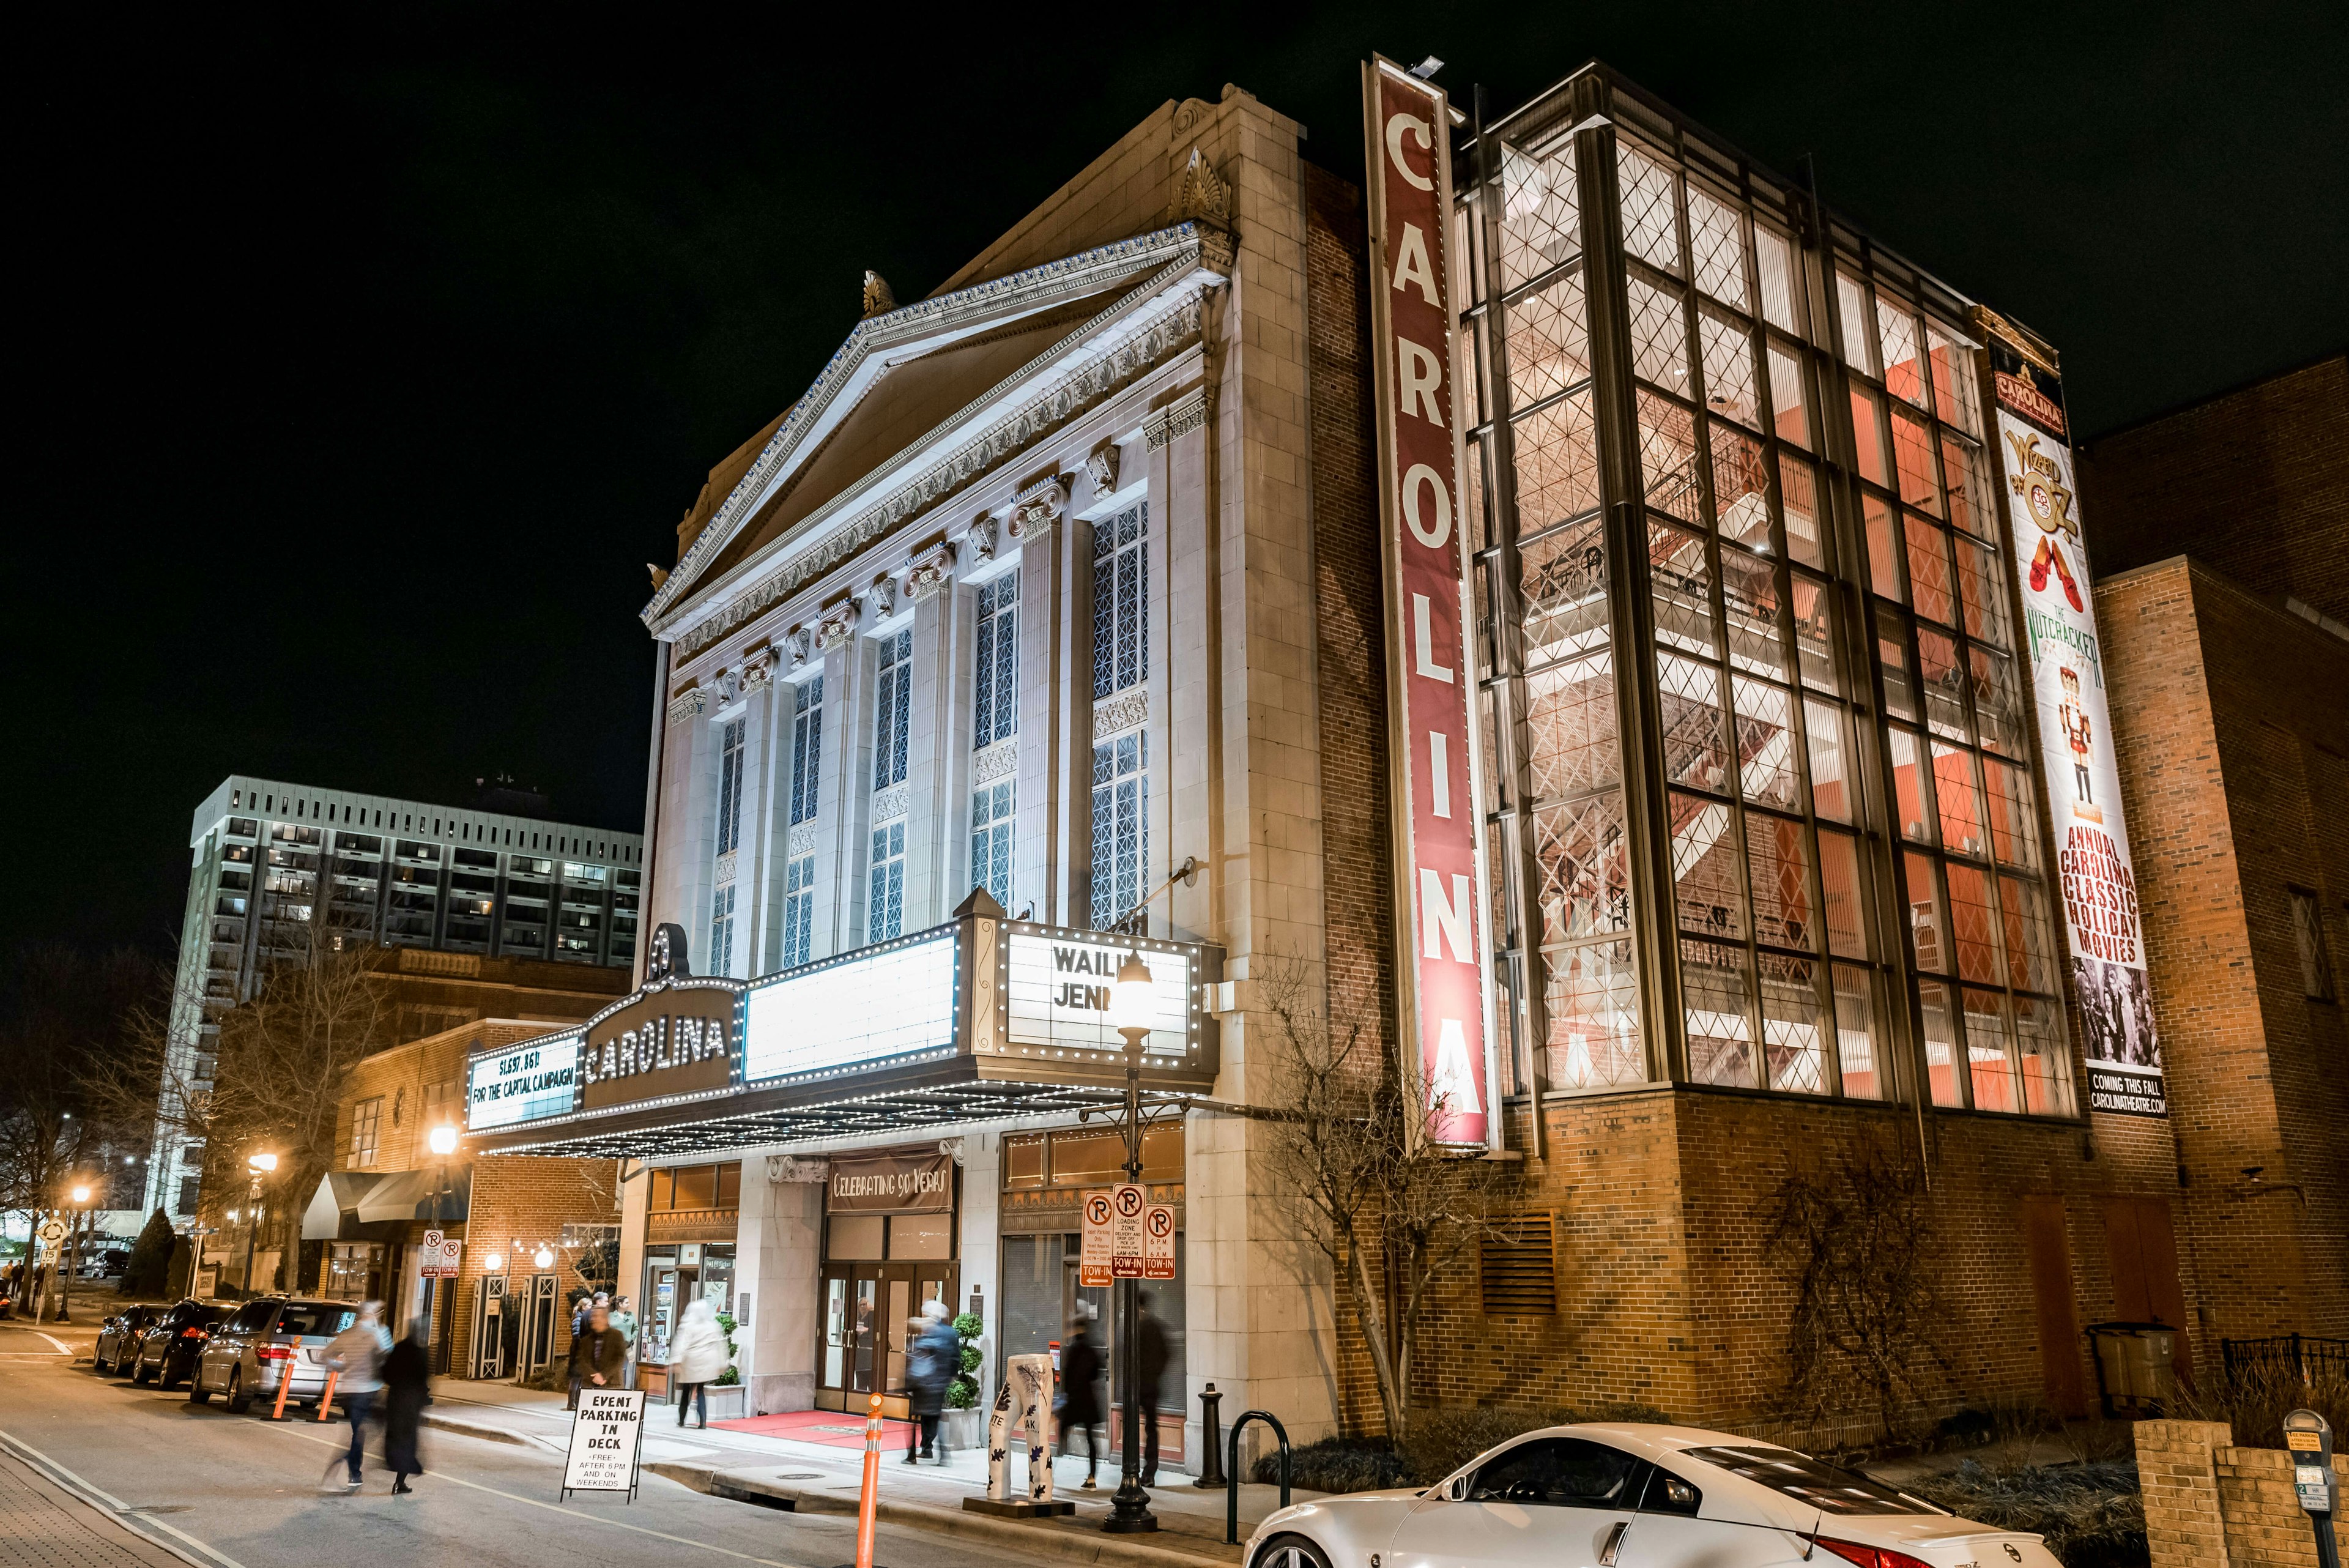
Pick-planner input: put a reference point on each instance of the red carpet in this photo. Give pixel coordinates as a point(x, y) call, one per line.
point(834, 1429)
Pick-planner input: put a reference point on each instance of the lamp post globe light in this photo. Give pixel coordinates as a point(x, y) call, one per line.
point(70, 1250)
point(260, 1164)
point(1130, 1012)
point(544, 1258)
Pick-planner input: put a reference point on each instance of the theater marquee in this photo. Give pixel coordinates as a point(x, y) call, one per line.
point(1445, 958)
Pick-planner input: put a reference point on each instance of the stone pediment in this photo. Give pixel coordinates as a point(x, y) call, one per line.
point(929, 381)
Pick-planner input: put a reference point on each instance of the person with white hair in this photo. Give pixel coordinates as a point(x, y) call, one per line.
point(697, 1358)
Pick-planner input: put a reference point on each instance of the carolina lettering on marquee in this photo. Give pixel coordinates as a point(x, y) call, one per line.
point(655, 1045)
point(1447, 925)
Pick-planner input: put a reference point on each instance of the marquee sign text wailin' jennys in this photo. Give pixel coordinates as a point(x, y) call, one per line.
point(671, 1041)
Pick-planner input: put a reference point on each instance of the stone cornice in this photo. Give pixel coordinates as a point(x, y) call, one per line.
point(1179, 245)
point(1154, 339)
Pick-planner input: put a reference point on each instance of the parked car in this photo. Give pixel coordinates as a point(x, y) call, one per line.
point(264, 1341)
point(1639, 1496)
point(117, 1339)
point(168, 1350)
point(106, 1265)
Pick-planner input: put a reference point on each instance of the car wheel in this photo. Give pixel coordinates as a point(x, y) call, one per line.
point(197, 1393)
point(1290, 1551)
point(238, 1399)
point(166, 1378)
point(139, 1375)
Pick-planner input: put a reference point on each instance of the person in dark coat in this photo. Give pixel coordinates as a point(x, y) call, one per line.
point(599, 1357)
point(406, 1389)
point(1150, 1344)
point(931, 1363)
point(1079, 1406)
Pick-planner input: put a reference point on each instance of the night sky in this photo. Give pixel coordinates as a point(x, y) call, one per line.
point(364, 356)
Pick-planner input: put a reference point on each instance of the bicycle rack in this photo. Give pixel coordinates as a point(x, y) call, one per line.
point(1232, 1467)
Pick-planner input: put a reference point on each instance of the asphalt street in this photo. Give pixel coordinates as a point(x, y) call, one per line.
point(236, 1492)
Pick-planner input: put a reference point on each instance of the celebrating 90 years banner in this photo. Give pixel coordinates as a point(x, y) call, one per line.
point(1439, 851)
point(2075, 734)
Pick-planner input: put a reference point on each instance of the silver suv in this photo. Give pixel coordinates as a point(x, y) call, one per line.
point(264, 1343)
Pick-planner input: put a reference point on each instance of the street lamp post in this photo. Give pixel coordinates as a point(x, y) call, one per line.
point(444, 1142)
point(260, 1165)
point(71, 1253)
point(1130, 1012)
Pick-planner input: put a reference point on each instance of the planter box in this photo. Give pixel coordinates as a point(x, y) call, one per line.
point(960, 1429)
point(729, 1402)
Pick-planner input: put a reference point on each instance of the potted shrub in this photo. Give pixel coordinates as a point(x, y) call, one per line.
point(963, 1424)
point(730, 1400)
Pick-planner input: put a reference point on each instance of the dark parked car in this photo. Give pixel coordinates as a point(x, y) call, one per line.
point(117, 1339)
point(169, 1350)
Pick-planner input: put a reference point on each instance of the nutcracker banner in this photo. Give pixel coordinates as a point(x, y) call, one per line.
point(2075, 740)
point(1446, 931)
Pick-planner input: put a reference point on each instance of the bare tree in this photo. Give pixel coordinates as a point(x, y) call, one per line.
point(276, 1078)
point(1389, 1210)
point(1853, 1235)
point(62, 1011)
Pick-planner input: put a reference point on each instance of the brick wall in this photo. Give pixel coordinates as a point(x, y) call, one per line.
point(2211, 1504)
point(1357, 843)
point(2255, 481)
point(2231, 736)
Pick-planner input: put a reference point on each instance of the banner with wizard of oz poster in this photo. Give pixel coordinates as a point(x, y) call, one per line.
point(2079, 775)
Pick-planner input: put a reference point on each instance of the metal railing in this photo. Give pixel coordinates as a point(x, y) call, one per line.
point(2301, 1355)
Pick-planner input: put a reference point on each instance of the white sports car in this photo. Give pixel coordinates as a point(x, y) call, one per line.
point(1636, 1496)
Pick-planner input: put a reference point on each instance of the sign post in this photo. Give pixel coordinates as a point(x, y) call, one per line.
point(1445, 926)
point(1158, 1241)
point(1093, 1269)
point(605, 1439)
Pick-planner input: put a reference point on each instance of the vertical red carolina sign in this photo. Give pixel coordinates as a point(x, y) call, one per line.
point(1439, 853)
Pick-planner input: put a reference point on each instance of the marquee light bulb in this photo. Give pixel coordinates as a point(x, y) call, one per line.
point(543, 1257)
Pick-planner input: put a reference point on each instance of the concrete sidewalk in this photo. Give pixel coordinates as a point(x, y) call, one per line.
point(819, 1478)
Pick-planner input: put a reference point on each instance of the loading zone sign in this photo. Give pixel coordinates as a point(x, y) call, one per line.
point(604, 1441)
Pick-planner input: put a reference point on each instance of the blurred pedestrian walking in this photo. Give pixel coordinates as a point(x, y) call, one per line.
point(931, 1363)
point(599, 1356)
point(407, 1389)
point(1079, 1406)
point(356, 1357)
point(697, 1358)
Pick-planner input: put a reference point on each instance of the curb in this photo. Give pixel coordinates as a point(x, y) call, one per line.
point(1059, 1545)
point(475, 1429)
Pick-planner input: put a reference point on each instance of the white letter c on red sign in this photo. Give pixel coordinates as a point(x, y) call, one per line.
point(1432, 536)
point(1397, 125)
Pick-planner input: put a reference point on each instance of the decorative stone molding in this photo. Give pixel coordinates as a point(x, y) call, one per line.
point(1177, 419)
point(999, 761)
point(687, 704)
point(759, 670)
point(1203, 196)
point(1218, 254)
point(727, 685)
point(980, 540)
point(722, 869)
point(1122, 711)
point(1151, 342)
point(883, 597)
point(953, 1147)
point(1103, 467)
point(879, 299)
point(1170, 251)
point(783, 1168)
point(1033, 515)
point(802, 838)
point(889, 805)
point(799, 643)
point(837, 625)
point(930, 573)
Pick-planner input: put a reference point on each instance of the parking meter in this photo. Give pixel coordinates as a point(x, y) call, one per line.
point(2308, 1437)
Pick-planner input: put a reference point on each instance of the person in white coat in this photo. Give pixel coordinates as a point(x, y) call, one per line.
point(697, 1358)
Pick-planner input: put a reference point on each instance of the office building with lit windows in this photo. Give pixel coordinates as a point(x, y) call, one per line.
point(1583, 612)
point(505, 894)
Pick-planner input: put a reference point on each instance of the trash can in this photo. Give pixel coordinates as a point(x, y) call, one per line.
point(2134, 1365)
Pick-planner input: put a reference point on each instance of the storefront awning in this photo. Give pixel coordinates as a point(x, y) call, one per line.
point(979, 1019)
point(379, 1206)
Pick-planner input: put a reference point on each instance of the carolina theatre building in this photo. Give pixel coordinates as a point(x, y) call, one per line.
point(1561, 612)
